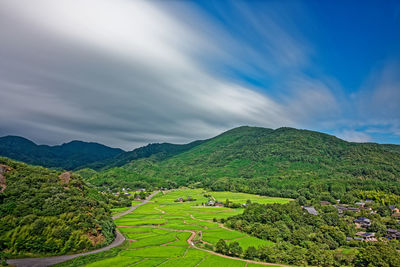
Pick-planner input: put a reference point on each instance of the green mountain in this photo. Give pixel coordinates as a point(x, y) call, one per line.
point(160, 151)
point(45, 211)
point(66, 156)
point(282, 162)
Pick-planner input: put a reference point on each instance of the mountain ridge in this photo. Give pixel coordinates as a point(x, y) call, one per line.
point(68, 155)
point(278, 162)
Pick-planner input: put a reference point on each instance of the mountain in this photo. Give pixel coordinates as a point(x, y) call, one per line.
point(66, 156)
point(283, 162)
point(160, 151)
point(45, 211)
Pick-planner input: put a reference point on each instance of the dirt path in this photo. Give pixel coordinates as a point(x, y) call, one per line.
point(48, 261)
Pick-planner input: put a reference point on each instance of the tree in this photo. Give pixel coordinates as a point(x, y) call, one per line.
point(379, 254)
point(222, 247)
point(301, 200)
point(250, 253)
point(235, 249)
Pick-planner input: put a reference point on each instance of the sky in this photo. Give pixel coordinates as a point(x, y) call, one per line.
point(126, 73)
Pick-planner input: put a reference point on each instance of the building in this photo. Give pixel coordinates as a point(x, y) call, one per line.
point(325, 203)
point(394, 209)
point(367, 237)
point(218, 204)
point(140, 190)
point(362, 222)
point(353, 209)
point(393, 234)
point(361, 204)
point(180, 200)
point(210, 203)
point(396, 215)
point(311, 210)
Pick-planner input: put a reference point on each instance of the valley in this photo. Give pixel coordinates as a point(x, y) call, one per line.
point(168, 233)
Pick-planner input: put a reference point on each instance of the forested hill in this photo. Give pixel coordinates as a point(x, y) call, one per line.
point(284, 161)
point(44, 211)
point(66, 156)
point(159, 151)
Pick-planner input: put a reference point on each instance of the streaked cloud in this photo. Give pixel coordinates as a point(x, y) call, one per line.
point(126, 73)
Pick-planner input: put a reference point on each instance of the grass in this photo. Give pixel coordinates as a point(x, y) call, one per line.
point(158, 229)
point(118, 210)
point(243, 197)
point(154, 240)
point(156, 252)
point(130, 222)
point(214, 260)
point(115, 261)
point(252, 241)
point(149, 262)
point(212, 236)
point(182, 240)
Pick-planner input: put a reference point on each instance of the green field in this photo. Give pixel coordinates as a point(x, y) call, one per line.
point(157, 232)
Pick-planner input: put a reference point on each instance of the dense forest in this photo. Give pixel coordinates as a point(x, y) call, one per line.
point(284, 162)
point(159, 151)
point(301, 238)
point(45, 211)
point(66, 156)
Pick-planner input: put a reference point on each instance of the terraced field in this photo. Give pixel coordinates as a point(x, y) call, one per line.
point(167, 233)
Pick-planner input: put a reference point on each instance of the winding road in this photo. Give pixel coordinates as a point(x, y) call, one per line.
point(48, 261)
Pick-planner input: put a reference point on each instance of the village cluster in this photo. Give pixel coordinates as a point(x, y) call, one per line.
point(361, 222)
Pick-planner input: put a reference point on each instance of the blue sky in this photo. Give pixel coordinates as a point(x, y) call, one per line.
point(126, 73)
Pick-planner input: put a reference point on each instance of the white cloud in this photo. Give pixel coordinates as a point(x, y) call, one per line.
point(118, 72)
point(354, 136)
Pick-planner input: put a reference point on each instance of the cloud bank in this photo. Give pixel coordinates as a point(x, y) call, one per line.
point(126, 73)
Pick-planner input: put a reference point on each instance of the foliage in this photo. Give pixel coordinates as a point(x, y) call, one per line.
point(285, 162)
point(301, 238)
point(66, 156)
point(41, 214)
point(222, 247)
point(379, 254)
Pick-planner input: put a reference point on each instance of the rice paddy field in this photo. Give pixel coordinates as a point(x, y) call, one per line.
point(162, 232)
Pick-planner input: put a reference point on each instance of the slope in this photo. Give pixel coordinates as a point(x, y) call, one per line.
point(44, 211)
point(282, 162)
point(66, 156)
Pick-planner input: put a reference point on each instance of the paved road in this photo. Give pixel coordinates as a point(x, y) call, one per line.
point(134, 207)
point(48, 261)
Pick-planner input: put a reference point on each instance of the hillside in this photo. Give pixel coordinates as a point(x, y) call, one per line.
point(282, 162)
point(44, 211)
point(66, 156)
point(160, 151)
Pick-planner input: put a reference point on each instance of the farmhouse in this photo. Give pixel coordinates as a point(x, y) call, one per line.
point(361, 204)
point(311, 210)
point(393, 234)
point(179, 200)
point(362, 222)
point(140, 190)
point(367, 237)
point(394, 209)
point(325, 203)
point(210, 203)
point(396, 215)
point(218, 204)
point(353, 209)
